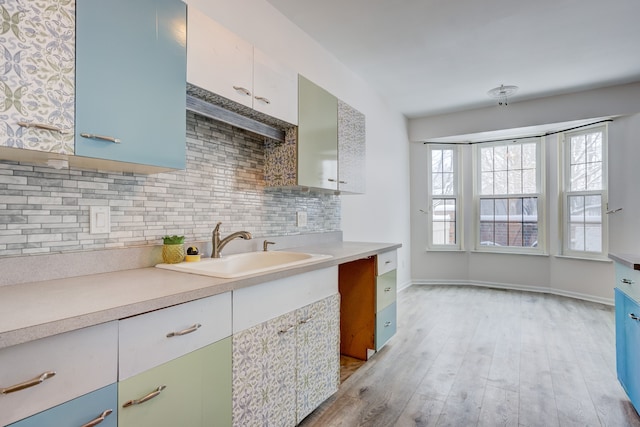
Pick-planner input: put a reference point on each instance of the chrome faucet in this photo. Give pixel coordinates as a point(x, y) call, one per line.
point(219, 244)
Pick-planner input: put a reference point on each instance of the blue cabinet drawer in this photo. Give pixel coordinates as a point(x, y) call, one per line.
point(628, 345)
point(79, 411)
point(385, 325)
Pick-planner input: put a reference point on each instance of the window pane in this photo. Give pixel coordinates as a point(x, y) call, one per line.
point(500, 158)
point(529, 181)
point(529, 156)
point(576, 208)
point(443, 225)
point(437, 233)
point(486, 209)
point(486, 159)
point(515, 233)
point(487, 183)
point(578, 149)
point(486, 233)
point(509, 222)
point(514, 159)
point(500, 183)
point(593, 238)
point(501, 234)
point(594, 147)
point(515, 182)
point(578, 178)
point(447, 160)
point(436, 161)
point(447, 183)
point(515, 210)
point(576, 237)
point(594, 176)
point(450, 209)
point(593, 208)
point(450, 235)
point(501, 209)
point(436, 184)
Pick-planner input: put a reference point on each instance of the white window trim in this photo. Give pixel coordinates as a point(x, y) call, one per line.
point(565, 176)
point(457, 179)
point(541, 249)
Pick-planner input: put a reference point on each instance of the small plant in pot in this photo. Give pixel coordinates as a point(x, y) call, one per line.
point(173, 249)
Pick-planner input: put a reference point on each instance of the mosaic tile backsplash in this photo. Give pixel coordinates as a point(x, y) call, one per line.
point(44, 210)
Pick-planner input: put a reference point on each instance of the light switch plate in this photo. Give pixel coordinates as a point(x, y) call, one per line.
point(301, 219)
point(99, 219)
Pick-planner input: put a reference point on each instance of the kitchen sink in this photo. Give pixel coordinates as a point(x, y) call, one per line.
point(239, 265)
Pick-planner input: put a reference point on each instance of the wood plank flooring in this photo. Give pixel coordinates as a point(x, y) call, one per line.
point(466, 356)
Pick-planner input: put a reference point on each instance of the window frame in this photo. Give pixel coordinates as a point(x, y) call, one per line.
point(457, 179)
point(540, 195)
point(566, 193)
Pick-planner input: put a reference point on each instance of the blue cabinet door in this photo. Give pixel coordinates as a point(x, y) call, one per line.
point(628, 345)
point(131, 81)
point(79, 411)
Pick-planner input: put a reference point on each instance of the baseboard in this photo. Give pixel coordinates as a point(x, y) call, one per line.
point(559, 292)
point(404, 285)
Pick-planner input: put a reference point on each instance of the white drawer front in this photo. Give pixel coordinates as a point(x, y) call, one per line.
point(83, 361)
point(144, 343)
point(387, 261)
point(256, 304)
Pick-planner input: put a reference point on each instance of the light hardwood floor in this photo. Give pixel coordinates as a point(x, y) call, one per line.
point(466, 356)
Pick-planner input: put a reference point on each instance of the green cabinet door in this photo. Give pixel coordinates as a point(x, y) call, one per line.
point(131, 81)
point(192, 390)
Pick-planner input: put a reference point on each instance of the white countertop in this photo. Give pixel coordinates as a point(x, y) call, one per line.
point(30, 311)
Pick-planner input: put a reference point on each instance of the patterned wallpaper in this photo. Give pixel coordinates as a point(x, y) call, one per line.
point(44, 210)
point(37, 77)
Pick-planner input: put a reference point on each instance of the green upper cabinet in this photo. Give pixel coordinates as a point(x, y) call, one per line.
point(317, 136)
point(37, 77)
point(131, 81)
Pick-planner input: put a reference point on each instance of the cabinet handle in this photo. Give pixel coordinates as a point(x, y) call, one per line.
point(284, 331)
point(387, 324)
point(634, 317)
point(43, 126)
point(332, 180)
point(149, 396)
point(243, 90)
point(27, 384)
point(627, 281)
point(263, 99)
point(387, 289)
point(184, 331)
point(307, 320)
point(387, 262)
point(101, 137)
point(98, 420)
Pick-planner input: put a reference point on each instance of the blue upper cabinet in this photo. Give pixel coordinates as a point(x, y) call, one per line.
point(131, 81)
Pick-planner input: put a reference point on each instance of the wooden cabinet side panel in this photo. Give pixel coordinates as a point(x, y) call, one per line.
point(357, 307)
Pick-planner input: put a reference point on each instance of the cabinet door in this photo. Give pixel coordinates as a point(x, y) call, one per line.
point(218, 60)
point(317, 136)
point(168, 395)
point(216, 384)
point(37, 84)
point(318, 354)
point(100, 404)
point(264, 374)
point(628, 345)
point(351, 149)
point(275, 88)
point(131, 81)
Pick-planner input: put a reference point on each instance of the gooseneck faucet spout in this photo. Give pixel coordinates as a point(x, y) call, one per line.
point(218, 243)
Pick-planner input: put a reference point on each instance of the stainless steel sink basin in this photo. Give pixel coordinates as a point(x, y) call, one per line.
point(239, 265)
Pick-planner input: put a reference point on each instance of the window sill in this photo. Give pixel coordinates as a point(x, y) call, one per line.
point(444, 250)
point(579, 258)
point(477, 251)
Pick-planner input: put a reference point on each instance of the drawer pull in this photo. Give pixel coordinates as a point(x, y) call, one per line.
point(184, 331)
point(27, 384)
point(627, 281)
point(387, 324)
point(284, 331)
point(263, 99)
point(101, 137)
point(146, 398)
point(307, 320)
point(42, 126)
point(98, 420)
point(387, 289)
point(242, 90)
point(387, 262)
point(634, 317)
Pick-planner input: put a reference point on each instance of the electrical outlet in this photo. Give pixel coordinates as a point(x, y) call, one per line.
point(99, 219)
point(301, 219)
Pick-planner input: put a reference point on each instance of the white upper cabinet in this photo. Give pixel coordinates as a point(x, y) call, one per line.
point(223, 63)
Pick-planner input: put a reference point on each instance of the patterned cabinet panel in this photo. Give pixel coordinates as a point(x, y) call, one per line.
point(351, 149)
point(131, 81)
point(264, 374)
point(318, 354)
point(37, 43)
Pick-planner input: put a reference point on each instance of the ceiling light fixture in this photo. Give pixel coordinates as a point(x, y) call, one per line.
point(502, 93)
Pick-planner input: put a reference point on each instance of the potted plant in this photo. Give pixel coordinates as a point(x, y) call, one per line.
point(173, 249)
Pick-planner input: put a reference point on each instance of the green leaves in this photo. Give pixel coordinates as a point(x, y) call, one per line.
point(173, 240)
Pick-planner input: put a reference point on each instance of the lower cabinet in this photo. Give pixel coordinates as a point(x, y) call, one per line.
point(285, 367)
point(192, 390)
point(98, 407)
point(628, 345)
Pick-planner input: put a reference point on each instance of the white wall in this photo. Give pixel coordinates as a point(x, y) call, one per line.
point(592, 280)
point(382, 214)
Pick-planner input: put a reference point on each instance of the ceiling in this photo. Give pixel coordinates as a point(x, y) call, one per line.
point(427, 57)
